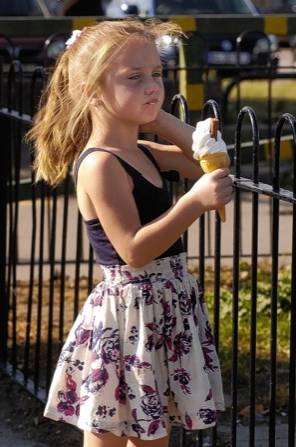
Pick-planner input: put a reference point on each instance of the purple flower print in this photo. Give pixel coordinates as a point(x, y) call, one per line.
point(181, 345)
point(200, 294)
point(138, 429)
point(188, 421)
point(133, 360)
point(71, 396)
point(96, 379)
point(82, 334)
point(193, 305)
point(133, 338)
point(177, 268)
point(183, 377)
point(121, 389)
point(103, 411)
point(97, 298)
point(208, 359)
point(209, 395)
point(96, 335)
point(150, 402)
point(69, 402)
point(170, 285)
point(70, 383)
point(208, 333)
point(207, 416)
point(147, 291)
point(169, 320)
point(185, 303)
point(110, 349)
point(150, 343)
point(66, 408)
point(154, 341)
point(153, 427)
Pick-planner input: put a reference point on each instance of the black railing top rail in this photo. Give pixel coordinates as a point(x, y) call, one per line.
point(291, 120)
point(38, 74)
point(250, 113)
point(179, 103)
point(15, 72)
point(212, 106)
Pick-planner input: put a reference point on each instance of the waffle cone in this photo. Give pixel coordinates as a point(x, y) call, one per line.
point(214, 161)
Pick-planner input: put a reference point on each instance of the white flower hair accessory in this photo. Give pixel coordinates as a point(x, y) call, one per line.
point(74, 36)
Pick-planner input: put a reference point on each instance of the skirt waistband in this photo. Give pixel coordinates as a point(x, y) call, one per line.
point(174, 267)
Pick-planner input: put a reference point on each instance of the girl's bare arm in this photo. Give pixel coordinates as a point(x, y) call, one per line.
point(172, 129)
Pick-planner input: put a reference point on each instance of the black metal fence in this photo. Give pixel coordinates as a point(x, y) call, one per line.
point(47, 267)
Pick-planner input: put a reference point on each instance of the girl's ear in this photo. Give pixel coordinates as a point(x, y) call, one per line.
point(96, 101)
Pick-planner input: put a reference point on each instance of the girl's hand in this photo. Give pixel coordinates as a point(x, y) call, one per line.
point(153, 126)
point(213, 190)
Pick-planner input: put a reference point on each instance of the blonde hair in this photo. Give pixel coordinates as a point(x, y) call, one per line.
point(62, 125)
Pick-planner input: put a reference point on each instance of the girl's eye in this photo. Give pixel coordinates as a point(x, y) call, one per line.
point(155, 74)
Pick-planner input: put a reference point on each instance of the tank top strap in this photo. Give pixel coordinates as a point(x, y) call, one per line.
point(79, 160)
point(149, 155)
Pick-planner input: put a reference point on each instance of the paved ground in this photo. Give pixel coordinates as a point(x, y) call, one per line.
point(9, 438)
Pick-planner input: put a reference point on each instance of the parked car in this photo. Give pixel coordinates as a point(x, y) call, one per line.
point(280, 7)
point(219, 48)
point(119, 8)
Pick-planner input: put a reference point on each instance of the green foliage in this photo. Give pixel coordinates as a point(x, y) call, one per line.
point(263, 301)
point(262, 325)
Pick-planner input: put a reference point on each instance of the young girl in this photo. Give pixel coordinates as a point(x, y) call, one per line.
point(140, 354)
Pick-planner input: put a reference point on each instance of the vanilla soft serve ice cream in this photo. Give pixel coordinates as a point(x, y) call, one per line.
point(210, 152)
point(203, 143)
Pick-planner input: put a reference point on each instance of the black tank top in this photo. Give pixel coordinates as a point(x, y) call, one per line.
point(151, 202)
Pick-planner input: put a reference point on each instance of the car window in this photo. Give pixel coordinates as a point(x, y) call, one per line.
point(20, 8)
point(201, 6)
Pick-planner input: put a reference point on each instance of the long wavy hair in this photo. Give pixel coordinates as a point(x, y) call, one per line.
point(62, 124)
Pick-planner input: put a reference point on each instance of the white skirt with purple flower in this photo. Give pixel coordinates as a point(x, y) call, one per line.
point(139, 356)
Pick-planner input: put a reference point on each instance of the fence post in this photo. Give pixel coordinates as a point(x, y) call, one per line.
point(4, 304)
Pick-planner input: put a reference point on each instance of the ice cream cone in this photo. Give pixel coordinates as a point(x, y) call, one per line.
point(209, 163)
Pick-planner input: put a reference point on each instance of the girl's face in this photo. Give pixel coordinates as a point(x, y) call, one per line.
point(133, 88)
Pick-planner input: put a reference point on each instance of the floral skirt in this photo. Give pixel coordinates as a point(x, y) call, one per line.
point(139, 356)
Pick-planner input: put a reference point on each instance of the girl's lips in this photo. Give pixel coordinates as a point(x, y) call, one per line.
point(153, 101)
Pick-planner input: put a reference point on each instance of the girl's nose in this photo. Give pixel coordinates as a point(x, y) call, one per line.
point(151, 89)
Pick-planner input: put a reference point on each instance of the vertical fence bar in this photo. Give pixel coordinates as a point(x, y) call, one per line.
point(37, 75)
point(15, 69)
point(77, 264)
point(291, 120)
point(42, 190)
point(254, 265)
point(179, 108)
point(4, 297)
point(274, 288)
point(292, 360)
point(235, 287)
point(211, 105)
point(90, 280)
point(51, 288)
point(63, 262)
point(31, 278)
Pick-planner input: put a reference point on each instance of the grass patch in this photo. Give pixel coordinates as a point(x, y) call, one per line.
point(263, 328)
